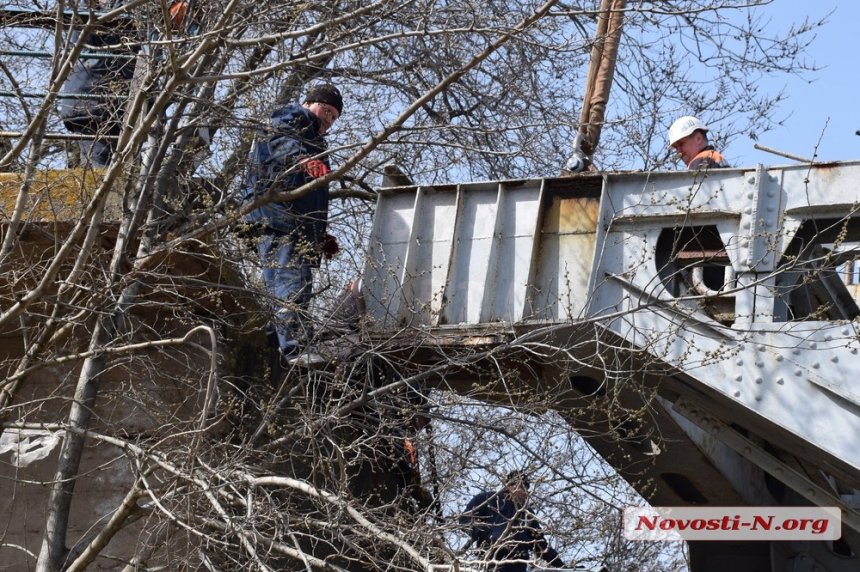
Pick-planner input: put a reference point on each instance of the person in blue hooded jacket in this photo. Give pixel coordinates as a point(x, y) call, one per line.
point(291, 236)
point(89, 102)
point(501, 524)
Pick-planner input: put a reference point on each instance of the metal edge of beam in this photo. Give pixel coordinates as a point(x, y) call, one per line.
point(764, 460)
point(61, 136)
point(13, 17)
point(665, 304)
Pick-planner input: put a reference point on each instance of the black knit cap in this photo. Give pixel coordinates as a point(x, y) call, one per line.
point(517, 478)
point(325, 93)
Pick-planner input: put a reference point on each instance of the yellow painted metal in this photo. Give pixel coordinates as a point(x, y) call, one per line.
point(53, 195)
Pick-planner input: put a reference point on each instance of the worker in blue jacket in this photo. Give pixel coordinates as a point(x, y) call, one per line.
point(89, 103)
point(91, 100)
point(501, 523)
point(291, 235)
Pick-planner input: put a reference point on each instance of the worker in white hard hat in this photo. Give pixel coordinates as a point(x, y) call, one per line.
point(688, 136)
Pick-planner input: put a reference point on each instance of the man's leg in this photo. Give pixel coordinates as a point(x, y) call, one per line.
point(94, 153)
point(290, 280)
point(99, 153)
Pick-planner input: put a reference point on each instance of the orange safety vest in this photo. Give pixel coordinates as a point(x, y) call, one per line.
point(410, 451)
point(708, 157)
point(178, 12)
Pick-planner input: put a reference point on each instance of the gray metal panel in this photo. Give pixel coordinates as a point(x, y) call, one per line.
point(427, 269)
point(473, 244)
point(677, 193)
point(513, 253)
point(387, 252)
point(824, 189)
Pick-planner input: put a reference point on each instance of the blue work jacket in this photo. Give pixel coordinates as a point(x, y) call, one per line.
point(292, 136)
point(507, 531)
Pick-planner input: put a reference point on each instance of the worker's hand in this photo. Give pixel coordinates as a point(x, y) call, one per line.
point(330, 247)
point(314, 167)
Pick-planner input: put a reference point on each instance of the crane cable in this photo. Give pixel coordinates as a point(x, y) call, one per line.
point(601, 71)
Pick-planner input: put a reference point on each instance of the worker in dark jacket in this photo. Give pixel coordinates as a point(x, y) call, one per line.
point(501, 523)
point(688, 136)
point(287, 154)
point(89, 102)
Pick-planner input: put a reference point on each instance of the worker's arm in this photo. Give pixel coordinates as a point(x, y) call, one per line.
point(542, 548)
point(477, 518)
point(551, 556)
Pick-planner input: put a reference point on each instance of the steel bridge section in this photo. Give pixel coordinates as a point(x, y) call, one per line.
point(792, 377)
point(732, 280)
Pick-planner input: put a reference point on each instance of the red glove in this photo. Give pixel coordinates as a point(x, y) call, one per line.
point(314, 167)
point(330, 246)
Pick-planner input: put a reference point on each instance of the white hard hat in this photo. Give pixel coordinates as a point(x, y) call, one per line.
point(685, 126)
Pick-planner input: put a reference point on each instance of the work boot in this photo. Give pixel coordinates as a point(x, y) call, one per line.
point(307, 358)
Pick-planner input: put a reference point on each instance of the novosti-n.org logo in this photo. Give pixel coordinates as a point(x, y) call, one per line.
point(732, 523)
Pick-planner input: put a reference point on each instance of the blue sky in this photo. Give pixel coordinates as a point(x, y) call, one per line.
point(831, 93)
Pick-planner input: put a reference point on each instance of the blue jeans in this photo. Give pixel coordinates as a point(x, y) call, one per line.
point(289, 278)
point(96, 153)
